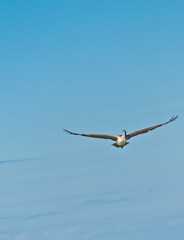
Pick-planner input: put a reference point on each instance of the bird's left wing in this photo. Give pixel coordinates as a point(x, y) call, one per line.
point(145, 130)
point(114, 138)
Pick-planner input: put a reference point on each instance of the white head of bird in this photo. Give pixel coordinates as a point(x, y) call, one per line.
point(124, 133)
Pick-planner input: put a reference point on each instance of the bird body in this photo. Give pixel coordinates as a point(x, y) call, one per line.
point(121, 140)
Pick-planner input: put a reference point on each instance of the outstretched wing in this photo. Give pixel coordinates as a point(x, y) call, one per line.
point(150, 128)
point(93, 135)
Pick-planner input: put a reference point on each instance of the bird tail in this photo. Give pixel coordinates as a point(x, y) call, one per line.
point(116, 145)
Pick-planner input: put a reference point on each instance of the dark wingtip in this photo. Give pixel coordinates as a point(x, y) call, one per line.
point(173, 118)
point(66, 130)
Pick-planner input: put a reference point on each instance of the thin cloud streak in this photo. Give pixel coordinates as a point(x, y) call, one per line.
point(47, 214)
point(106, 201)
point(20, 160)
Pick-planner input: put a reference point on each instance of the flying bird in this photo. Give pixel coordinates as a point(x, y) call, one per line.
point(121, 140)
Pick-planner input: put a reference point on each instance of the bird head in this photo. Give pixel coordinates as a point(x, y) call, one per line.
point(124, 132)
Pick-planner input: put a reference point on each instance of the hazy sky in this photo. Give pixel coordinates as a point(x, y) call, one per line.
point(91, 67)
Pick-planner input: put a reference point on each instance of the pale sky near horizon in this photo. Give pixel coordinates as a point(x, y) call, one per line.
point(91, 67)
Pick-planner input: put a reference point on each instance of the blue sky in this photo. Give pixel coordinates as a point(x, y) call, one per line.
point(95, 67)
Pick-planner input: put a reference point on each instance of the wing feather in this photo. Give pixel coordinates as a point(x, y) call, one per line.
point(114, 138)
point(145, 130)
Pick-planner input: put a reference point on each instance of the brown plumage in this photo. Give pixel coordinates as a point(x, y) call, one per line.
point(121, 140)
point(145, 130)
point(114, 138)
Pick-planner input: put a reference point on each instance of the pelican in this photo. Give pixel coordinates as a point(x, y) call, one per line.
point(121, 140)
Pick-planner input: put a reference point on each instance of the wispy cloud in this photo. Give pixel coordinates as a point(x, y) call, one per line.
point(106, 201)
point(19, 160)
point(6, 218)
point(41, 215)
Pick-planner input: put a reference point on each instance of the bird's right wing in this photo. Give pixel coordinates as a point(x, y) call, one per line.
point(114, 138)
point(145, 130)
